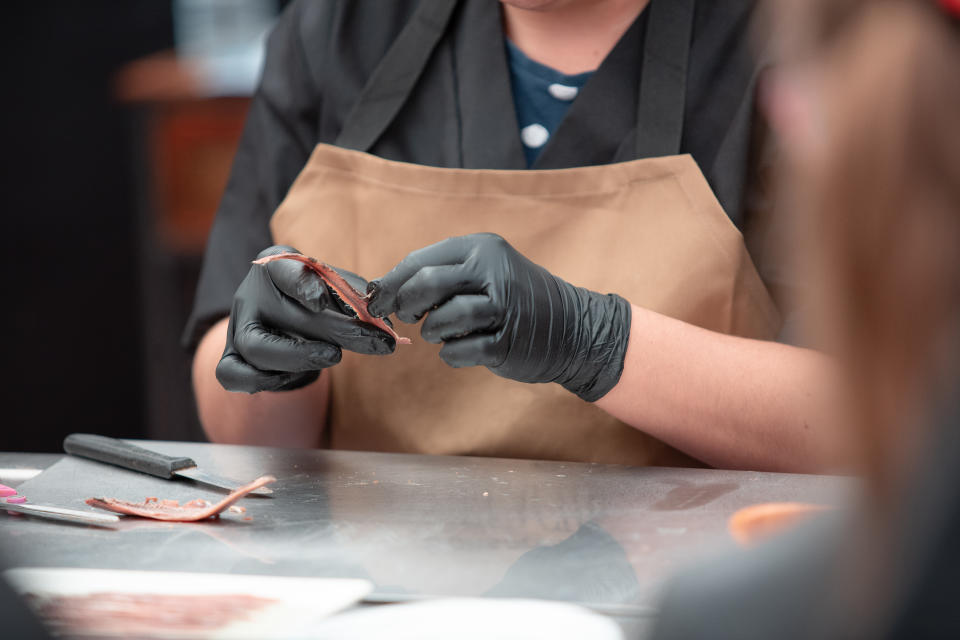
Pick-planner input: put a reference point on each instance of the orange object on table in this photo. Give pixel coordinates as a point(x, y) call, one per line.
point(758, 522)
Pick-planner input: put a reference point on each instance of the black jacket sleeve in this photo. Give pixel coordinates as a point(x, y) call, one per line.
point(278, 136)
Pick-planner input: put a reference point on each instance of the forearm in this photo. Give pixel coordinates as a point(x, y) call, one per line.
point(285, 418)
point(729, 401)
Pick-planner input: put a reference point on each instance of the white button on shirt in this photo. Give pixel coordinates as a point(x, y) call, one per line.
point(563, 91)
point(534, 135)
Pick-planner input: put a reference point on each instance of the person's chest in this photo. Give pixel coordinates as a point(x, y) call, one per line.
point(461, 111)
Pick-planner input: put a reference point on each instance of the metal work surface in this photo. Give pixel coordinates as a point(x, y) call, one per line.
point(603, 535)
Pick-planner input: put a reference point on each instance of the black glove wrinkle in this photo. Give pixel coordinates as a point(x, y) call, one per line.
point(602, 345)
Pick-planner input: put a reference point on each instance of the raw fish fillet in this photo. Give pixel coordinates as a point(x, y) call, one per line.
point(146, 615)
point(357, 301)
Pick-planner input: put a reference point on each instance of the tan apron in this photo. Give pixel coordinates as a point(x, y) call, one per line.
point(650, 230)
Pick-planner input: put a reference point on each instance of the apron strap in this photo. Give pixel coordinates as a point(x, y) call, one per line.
point(395, 76)
point(663, 79)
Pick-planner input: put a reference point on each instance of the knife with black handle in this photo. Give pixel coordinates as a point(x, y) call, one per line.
point(130, 456)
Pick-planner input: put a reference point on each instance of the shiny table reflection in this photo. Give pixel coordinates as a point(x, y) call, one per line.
point(602, 535)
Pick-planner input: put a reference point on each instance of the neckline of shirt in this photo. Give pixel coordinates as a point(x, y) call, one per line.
point(522, 63)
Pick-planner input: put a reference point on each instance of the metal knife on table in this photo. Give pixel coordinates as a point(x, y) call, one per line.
point(130, 456)
point(59, 513)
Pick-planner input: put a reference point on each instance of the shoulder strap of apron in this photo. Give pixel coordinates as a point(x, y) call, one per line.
point(395, 75)
point(663, 79)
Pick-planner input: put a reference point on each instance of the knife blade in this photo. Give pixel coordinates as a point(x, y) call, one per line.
point(130, 456)
point(59, 513)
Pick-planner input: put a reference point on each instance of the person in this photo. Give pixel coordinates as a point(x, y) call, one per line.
point(865, 99)
point(395, 139)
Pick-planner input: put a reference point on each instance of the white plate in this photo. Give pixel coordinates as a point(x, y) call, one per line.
point(471, 619)
point(300, 603)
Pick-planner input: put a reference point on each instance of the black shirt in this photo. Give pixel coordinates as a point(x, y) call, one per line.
point(460, 114)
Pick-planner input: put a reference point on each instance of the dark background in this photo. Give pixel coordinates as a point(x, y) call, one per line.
point(74, 360)
point(79, 349)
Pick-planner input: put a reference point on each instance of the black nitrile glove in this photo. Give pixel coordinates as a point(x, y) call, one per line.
point(286, 325)
point(491, 306)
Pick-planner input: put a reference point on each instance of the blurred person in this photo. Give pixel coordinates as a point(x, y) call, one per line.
point(865, 100)
point(380, 132)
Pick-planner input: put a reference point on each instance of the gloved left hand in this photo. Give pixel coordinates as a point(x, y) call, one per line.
point(491, 306)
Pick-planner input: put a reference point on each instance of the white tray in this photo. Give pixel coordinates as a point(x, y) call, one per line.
point(301, 603)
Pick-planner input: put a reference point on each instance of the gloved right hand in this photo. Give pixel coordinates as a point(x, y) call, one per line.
point(286, 326)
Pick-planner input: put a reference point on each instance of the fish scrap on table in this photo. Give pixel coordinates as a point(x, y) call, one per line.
point(173, 511)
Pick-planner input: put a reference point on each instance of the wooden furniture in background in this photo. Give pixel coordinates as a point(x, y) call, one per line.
point(184, 140)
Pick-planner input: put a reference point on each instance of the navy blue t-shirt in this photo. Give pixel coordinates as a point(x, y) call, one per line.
point(541, 95)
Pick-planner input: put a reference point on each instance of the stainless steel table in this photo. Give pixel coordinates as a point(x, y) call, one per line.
point(602, 535)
